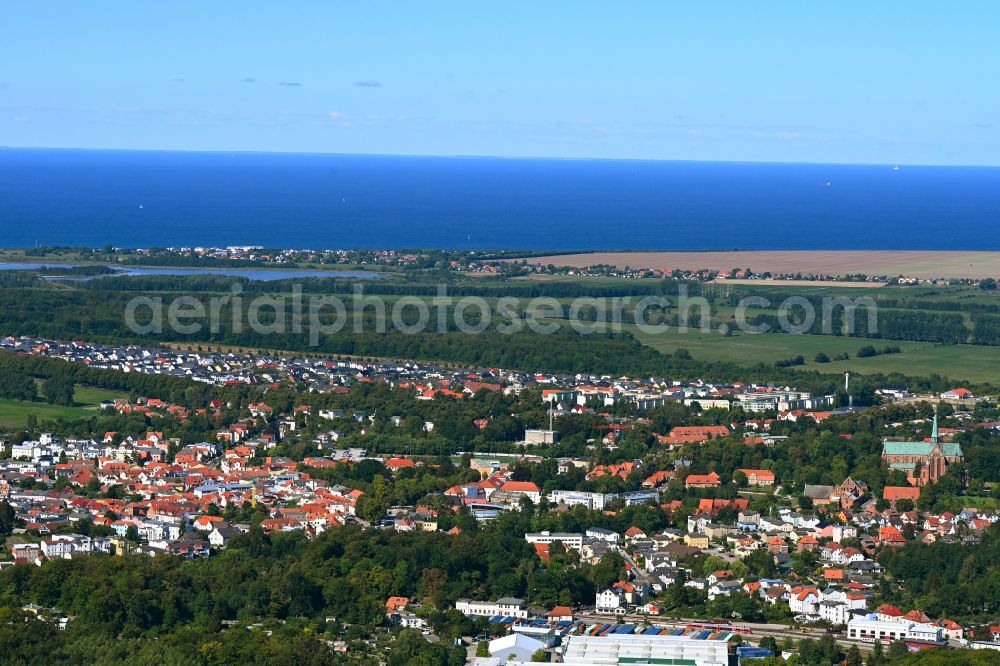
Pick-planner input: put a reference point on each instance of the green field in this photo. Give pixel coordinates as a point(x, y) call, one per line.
point(959, 362)
point(985, 503)
point(14, 413)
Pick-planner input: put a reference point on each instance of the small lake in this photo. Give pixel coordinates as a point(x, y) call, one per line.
point(265, 274)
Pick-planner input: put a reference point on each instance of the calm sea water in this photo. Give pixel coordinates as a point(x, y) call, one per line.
point(141, 199)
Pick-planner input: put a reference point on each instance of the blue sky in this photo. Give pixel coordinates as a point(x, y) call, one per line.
point(887, 82)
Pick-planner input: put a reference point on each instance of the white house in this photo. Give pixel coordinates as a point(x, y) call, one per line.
point(804, 601)
point(221, 535)
point(507, 607)
point(611, 600)
point(840, 532)
point(834, 612)
point(853, 601)
point(723, 588)
point(408, 620)
point(603, 534)
point(520, 489)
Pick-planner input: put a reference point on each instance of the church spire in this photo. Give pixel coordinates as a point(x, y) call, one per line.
point(934, 430)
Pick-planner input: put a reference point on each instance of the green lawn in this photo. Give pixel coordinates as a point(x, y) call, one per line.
point(14, 413)
point(959, 362)
point(86, 396)
point(985, 503)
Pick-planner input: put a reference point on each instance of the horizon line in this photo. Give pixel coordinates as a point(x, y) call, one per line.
point(497, 157)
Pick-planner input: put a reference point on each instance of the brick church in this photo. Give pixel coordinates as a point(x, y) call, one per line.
point(924, 462)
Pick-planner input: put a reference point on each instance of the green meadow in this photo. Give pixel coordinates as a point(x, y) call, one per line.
point(14, 413)
point(959, 362)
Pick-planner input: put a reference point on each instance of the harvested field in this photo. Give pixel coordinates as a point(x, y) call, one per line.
point(910, 263)
point(800, 283)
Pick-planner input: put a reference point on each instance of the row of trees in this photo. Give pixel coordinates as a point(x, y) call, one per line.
point(99, 315)
point(17, 384)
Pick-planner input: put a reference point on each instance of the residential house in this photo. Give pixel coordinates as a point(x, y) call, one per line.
point(694, 434)
point(696, 540)
point(804, 601)
point(221, 535)
point(561, 614)
point(602, 534)
point(518, 489)
point(723, 588)
point(710, 480)
point(611, 600)
point(759, 477)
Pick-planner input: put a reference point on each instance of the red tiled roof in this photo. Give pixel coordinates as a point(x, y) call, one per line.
point(520, 486)
point(893, 493)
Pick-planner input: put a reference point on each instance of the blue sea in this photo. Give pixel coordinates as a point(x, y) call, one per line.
point(142, 199)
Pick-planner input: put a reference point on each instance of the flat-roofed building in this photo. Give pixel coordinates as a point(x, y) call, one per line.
point(871, 630)
point(506, 607)
point(593, 501)
point(569, 540)
point(538, 437)
point(638, 649)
